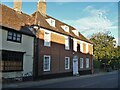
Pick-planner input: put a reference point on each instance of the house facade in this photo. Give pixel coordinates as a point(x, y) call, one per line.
point(47, 47)
point(62, 50)
point(17, 48)
point(63, 55)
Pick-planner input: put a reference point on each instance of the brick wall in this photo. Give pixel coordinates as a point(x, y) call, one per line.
point(58, 53)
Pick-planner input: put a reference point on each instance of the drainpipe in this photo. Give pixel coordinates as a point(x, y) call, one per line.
point(36, 52)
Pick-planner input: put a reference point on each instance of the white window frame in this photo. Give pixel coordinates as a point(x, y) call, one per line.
point(75, 32)
point(81, 46)
point(47, 39)
point(67, 62)
point(75, 45)
point(65, 28)
point(87, 63)
point(51, 22)
point(48, 62)
point(67, 43)
point(87, 48)
point(81, 63)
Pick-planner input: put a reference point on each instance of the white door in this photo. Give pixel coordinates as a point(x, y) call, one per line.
point(75, 67)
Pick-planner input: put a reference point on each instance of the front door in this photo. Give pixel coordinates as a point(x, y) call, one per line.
point(75, 66)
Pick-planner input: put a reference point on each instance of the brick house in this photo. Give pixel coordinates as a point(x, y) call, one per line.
point(59, 49)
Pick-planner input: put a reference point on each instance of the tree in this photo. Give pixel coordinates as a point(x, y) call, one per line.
point(104, 47)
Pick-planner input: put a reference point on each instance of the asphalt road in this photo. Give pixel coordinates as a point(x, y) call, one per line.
point(108, 80)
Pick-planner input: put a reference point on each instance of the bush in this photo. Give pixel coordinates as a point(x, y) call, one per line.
point(96, 64)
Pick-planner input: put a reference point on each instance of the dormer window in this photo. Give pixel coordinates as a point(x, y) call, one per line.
point(51, 22)
point(65, 28)
point(75, 32)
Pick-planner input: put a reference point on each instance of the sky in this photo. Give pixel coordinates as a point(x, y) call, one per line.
point(88, 17)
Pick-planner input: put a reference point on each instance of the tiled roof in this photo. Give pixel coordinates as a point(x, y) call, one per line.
point(41, 20)
point(15, 20)
point(12, 19)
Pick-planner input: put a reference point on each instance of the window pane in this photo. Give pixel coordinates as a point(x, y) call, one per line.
point(14, 38)
point(87, 62)
point(67, 43)
point(18, 39)
point(13, 61)
point(67, 62)
point(46, 63)
point(47, 39)
point(10, 37)
point(18, 35)
point(14, 34)
point(81, 62)
point(10, 33)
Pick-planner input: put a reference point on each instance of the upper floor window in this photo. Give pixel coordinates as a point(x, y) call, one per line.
point(47, 38)
point(87, 62)
point(87, 49)
point(65, 28)
point(51, 22)
point(46, 63)
point(78, 47)
point(67, 46)
point(67, 63)
point(75, 45)
point(81, 46)
point(14, 36)
point(75, 32)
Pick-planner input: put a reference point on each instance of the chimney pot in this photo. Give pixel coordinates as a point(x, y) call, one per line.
point(18, 5)
point(41, 7)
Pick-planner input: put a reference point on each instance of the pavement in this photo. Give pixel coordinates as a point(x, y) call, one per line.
point(51, 81)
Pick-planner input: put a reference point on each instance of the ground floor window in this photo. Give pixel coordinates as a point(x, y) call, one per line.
point(46, 63)
point(87, 62)
point(81, 62)
point(67, 63)
point(11, 61)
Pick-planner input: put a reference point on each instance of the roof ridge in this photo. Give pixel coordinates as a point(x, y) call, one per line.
point(14, 10)
point(24, 18)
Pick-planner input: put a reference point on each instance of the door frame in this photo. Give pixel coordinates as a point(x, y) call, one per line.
point(75, 68)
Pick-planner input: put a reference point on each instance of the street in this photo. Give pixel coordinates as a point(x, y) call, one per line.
point(98, 80)
point(109, 80)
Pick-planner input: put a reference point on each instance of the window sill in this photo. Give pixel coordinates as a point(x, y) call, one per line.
point(11, 70)
point(46, 70)
point(14, 41)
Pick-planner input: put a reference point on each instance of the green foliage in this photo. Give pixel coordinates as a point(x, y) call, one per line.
point(96, 64)
point(105, 48)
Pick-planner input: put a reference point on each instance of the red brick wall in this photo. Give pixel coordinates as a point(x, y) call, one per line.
point(58, 53)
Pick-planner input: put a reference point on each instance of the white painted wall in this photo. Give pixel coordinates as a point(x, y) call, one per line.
point(0, 39)
point(27, 45)
point(0, 59)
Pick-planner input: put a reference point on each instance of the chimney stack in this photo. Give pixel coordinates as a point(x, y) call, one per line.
point(18, 5)
point(41, 7)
